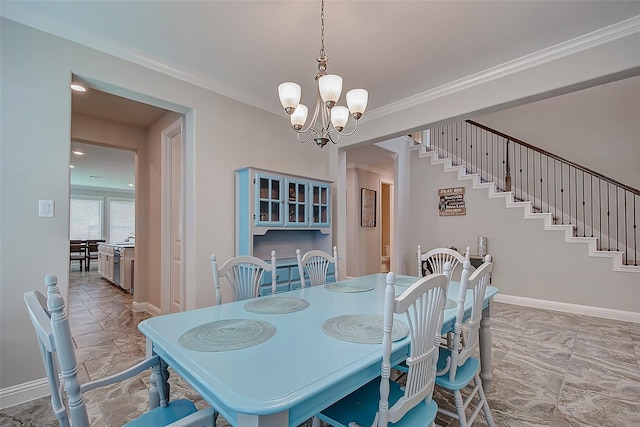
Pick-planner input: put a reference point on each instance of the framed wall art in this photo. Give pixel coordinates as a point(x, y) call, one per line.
point(367, 208)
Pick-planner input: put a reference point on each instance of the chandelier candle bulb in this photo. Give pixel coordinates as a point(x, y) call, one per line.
point(299, 116)
point(339, 117)
point(330, 89)
point(357, 102)
point(289, 96)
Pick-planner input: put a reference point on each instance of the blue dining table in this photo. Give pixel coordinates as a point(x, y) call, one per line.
point(285, 367)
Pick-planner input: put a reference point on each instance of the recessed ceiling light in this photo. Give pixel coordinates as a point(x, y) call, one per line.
point(78, 87)
point(131, 185)
point(79, 153)
point(71, 166)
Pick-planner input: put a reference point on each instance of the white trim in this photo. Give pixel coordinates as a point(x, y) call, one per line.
point(584, 310)
point(586, 41)
point(139, 307)
point(24, 392)
point(368, 168)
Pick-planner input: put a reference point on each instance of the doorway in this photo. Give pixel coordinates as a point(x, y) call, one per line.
point(117, 121)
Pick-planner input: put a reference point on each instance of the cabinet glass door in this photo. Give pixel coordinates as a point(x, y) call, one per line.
point(320, 204)
point(269, 200)
point(296, 206)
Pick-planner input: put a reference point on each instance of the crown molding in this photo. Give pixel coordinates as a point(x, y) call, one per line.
point(586, 41)
point(580, 43)
point(126, 53)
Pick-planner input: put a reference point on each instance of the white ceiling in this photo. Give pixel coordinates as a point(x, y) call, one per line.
point(102, 167)
point(394, 49)
point(244, 49)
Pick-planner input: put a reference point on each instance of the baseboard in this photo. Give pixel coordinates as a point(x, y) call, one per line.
point(25, 392)
point(145, 306)
point(605, 313)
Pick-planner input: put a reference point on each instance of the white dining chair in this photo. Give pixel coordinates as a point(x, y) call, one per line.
point(53, 331)
point(435, 259)
point(315, 265)
point(382, 401)
point(244, 274)
point(458, 367)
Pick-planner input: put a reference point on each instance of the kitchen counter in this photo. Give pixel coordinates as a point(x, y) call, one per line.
point(115, 263)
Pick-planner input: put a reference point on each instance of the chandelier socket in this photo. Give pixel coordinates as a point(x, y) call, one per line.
point(356, 115)
point(289, 110)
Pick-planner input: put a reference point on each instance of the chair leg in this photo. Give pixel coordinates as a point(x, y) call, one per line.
point(485, 403)
point(457, 395)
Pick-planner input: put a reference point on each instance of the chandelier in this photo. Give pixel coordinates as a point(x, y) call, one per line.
point(333, 117)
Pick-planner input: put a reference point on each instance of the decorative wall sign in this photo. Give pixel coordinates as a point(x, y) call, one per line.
point(451, 202)
point(368, 208)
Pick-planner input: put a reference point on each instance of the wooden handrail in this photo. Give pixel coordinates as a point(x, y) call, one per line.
point(553, 156)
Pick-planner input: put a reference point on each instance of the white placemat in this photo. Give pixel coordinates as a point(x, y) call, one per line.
point(276, 305)
point(406, 281)
point(348, 287)
point(225, 335)
point(362, 328)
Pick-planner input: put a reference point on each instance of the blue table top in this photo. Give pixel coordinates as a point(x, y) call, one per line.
point(293, 369)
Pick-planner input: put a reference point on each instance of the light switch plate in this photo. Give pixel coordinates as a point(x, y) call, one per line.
point(45, 208)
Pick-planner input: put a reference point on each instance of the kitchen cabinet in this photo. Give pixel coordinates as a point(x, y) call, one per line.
point(105, 261)
point(127, 255)
point(116, 264)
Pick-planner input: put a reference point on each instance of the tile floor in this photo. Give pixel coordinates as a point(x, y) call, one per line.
point(550, 368)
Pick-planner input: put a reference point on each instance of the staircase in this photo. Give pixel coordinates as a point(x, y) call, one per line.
point(590, 208)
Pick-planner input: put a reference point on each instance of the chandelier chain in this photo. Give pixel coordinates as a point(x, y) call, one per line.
point(322, 29)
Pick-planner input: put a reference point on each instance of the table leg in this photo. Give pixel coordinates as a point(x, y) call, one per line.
point(485, 348)
point(272, 420)
point(154, 393)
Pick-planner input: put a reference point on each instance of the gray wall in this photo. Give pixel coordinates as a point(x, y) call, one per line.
point(36, 70)
point(529, 262)
point(598, 127)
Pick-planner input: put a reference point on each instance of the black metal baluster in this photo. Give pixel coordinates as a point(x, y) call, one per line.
point(561, 195)
point(584, 218)
point(626, 235)
point(608, 219)
point(617, 222)
point(591, 203)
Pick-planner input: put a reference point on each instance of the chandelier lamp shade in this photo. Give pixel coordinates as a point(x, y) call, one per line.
point(328, 120)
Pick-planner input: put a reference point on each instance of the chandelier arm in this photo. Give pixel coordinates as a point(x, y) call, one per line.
point(347, 134)
point(303, 141)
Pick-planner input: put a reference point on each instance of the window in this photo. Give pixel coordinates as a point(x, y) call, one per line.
point(122, 219)
point(85, 214)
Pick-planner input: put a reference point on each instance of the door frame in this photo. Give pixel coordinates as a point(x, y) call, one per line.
point(167, 134)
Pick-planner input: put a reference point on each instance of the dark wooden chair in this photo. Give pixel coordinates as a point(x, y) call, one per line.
point(77, 252)
point(91, 252)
